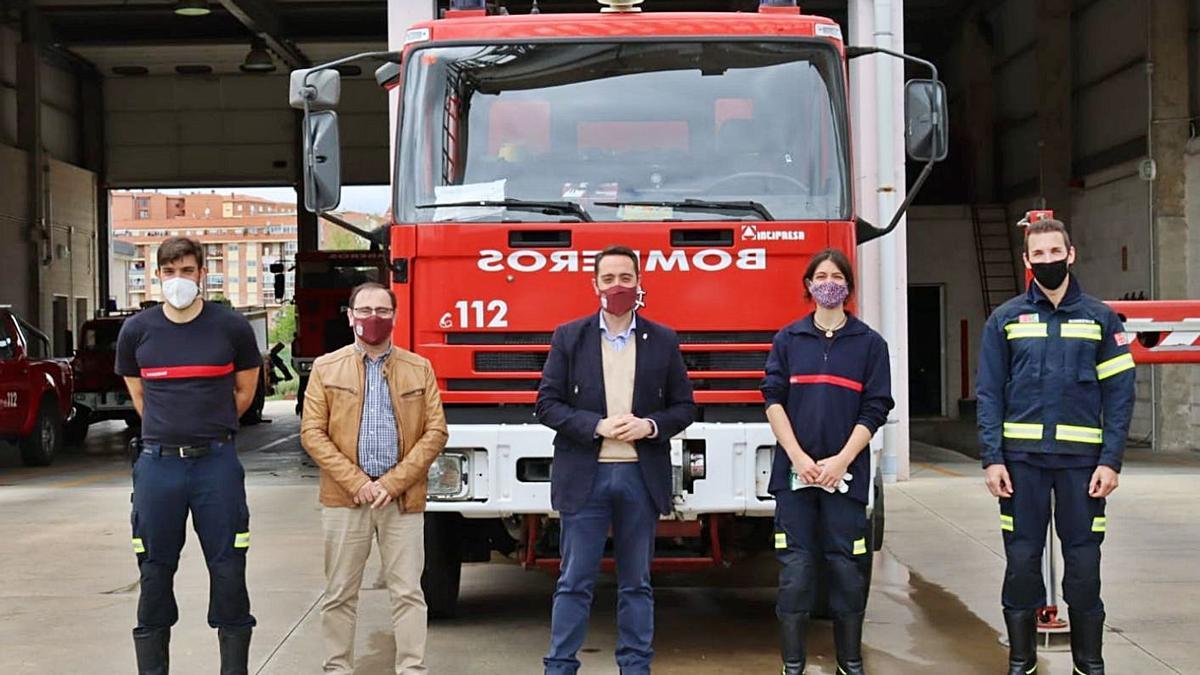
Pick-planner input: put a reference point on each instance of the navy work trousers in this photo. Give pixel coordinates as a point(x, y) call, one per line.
point(212, 487)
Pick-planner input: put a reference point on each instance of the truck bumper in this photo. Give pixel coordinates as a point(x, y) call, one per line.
point(499, 470)
point(104, 405)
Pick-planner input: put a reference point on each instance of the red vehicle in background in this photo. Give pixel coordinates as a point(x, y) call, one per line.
point(35, 391)
point(100, 393)
point(324, 280)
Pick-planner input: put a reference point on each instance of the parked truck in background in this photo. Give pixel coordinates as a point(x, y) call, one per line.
point(324, 280)
point(35, 391)
point(715, 144)
point(100, 394)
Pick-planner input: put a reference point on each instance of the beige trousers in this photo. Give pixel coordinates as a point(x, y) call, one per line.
point(348, 535)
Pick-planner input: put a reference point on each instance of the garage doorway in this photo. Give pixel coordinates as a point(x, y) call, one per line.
point(926, 350)
point(62, 326)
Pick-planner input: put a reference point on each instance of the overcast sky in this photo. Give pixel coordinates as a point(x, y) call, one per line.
point(362, 198)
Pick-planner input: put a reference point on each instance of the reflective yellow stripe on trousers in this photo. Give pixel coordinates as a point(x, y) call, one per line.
point(1023, 430)
point(1066, 432)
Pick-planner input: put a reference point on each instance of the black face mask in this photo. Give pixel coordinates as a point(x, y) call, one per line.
point(1050, 275)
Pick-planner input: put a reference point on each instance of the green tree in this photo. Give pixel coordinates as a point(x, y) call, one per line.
point(338, 239)
point(284, 325)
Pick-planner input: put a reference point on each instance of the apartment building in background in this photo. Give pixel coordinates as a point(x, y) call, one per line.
point(242, 235)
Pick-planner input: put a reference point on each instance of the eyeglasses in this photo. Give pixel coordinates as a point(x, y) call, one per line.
point(381, 312)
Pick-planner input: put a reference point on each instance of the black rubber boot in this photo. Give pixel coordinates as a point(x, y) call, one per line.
point(153, 648)
point(235, 650)
point(847, 641)
point(1022, 641)
point(791, 642)
point(1087, 642)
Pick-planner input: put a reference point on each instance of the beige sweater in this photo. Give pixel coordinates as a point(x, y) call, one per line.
point(619, 369)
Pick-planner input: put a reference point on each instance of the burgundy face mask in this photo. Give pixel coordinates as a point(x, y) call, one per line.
point(373, 330)
point(618, 300)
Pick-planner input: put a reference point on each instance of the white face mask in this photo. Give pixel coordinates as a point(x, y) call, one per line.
point(180, 292)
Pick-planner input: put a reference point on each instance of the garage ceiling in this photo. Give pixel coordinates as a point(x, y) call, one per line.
point(147, 33)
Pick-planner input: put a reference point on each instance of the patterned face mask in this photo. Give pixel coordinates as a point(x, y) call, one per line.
point(829, 294)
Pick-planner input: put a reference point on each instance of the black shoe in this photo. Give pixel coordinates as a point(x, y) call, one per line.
point(235, 650)
point(1022, 641)
point(791, 641)
point(1087, 641)
point(153, 648)
point(847, 641)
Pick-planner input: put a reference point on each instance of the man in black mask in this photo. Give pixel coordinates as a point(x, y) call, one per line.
point(1055, 397)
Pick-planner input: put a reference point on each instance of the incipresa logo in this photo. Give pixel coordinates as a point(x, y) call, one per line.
point(755, 233)
point(703, 260)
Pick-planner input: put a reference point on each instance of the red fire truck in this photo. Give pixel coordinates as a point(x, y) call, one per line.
point(35, 390)
point(716, 144)
point(324, 280)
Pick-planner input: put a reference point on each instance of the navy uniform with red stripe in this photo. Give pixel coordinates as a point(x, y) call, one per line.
point(827, 386)
point(188, 460)
point(1055, 398)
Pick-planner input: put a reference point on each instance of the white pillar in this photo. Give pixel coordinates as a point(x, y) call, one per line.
point(880, 185)
point(401, 15)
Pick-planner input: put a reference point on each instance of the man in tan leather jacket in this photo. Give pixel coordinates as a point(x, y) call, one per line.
point(373, 422)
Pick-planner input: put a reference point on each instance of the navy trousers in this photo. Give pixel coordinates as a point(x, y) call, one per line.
point(811, 524)
point(212, 488)
point(1079, 521)
point(619, 499)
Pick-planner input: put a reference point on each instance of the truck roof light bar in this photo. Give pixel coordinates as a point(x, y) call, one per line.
point(620, 6)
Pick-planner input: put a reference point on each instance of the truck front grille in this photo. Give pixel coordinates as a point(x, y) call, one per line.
point(687, 338)
point(533, 362)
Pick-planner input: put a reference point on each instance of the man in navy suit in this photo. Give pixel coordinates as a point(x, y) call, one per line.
point(616, 390)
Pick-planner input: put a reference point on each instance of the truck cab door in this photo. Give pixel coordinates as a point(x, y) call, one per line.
point(14, 378)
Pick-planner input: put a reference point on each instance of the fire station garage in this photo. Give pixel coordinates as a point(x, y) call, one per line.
point(1089, 109)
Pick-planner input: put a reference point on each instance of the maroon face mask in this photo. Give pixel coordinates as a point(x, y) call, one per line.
point(618, 300)
point(373, 330)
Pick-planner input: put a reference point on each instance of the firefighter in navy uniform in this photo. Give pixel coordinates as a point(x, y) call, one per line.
point(1055, 396)
point(192, 369)
point(827, 390)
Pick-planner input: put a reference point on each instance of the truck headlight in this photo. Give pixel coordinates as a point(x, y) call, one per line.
point(448, 477)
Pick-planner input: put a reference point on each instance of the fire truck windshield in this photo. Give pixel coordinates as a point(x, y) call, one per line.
point(624, 130)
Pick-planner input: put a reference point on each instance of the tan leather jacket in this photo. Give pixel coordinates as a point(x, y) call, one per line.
point(329, 428)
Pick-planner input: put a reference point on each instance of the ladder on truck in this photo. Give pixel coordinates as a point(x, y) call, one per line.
point(994, 254)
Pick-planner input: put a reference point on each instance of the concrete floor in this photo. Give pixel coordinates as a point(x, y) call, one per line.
point(68, 590)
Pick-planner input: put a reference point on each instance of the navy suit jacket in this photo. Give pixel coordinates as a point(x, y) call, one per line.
point(571, 401)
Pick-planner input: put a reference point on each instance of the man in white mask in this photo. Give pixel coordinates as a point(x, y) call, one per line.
point(192, 369)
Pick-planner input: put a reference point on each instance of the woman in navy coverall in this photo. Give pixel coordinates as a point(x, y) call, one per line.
point(827, 389)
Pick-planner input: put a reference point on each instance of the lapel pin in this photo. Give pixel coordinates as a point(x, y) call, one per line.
point(645, 336)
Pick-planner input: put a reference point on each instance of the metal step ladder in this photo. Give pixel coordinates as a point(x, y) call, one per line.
point(994, 251)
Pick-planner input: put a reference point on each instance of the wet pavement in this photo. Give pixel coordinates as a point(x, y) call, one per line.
point(68, 592)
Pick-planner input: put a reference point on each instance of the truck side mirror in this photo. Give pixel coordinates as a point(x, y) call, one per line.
point(388, 75)
point(926, 127)
point(279, 281)
point(319, 89)
point(322, 161)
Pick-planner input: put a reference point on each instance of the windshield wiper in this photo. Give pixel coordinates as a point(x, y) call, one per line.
point(546, 208)
point(702, 206)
